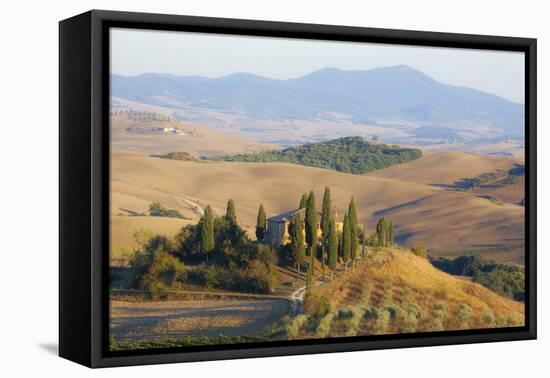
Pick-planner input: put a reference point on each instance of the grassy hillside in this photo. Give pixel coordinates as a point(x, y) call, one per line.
point(439, 218)
point(394, 291)
point(125, 241)
point(350, 155)
point(446, 168)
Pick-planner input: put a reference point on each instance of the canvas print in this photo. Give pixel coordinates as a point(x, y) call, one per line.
point(268, 189)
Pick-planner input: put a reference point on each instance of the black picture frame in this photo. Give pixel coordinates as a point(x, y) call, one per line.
point(84, 189)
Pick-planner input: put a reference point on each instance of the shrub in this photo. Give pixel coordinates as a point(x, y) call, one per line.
point(184, 156)
point(153, 263)
point(293, 329)
point(410, 314)
point(316, 306)
point(394, 310)
point(436, 324)
point(323, 328)
point(352, 326)
point(488, 318)
point(439, 310)
point(164, 269)
point(464, 315)
point(158, 291)
point(157, 210)
point(382, 323)
point(344, 314)
point(512, 321)
point(410, 323)
point(249, 281)
point(370, 312)
point(413, 308)
point(419, 250)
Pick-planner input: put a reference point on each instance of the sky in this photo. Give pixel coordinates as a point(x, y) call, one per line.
point(135, 51)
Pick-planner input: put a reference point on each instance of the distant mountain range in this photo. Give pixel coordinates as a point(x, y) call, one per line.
point(382, 96)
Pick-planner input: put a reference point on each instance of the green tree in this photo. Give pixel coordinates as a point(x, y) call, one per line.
point(326, 214)
point(332, 247)
point(297, 245)
point(309, 277)
point(390, 233)
point(231, 213)
point(346, 242)
point(206, 241)
point(304, 201)
point(311, 223)
point(382, 231)
point(261, 223)
point(363, 242)
point(352, 219)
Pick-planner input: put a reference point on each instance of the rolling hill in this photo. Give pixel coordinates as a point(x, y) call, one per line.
point(446, 168)
point(414, 295)
point(447, 221)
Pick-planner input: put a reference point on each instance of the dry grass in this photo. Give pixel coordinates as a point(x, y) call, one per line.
point(198, 140)
point(417, 296)
point(123, 233)
point(445, 221)
point(446, 168)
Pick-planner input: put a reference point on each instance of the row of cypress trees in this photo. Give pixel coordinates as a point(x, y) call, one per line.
point(332, 243)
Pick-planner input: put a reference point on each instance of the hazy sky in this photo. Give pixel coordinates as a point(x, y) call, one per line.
point(212, 55)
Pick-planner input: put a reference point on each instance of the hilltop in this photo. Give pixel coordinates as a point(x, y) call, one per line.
point(394, 291)
point(349, 154)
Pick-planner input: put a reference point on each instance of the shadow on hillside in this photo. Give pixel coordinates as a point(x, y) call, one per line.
point(387, 210)
point(463, 183)
point(403, 238)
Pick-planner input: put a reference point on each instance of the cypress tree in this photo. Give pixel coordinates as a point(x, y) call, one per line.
point(231, 213)
point(352, 215)
point(206, 242)
point(332, 247)
point(311, 222)
point(340, 238)
point(304, 201)
point(326, 214)
point(382, 232)
point(298, 248)
point(390, 233)
point(310, 269)
point(363, 242)
point(323, 260)
point(261, 224)
point(346, 242)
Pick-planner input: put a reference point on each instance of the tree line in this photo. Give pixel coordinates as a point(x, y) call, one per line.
point(348, 154)
point(229, 259)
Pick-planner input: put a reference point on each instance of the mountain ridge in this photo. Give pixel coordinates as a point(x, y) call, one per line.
point(395, 94)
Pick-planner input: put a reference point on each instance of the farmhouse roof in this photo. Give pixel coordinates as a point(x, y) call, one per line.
point(287, 215)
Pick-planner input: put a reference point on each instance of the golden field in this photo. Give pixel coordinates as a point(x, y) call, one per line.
point(417, 196)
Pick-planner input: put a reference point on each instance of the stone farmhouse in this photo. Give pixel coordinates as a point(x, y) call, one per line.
point(277, 226)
